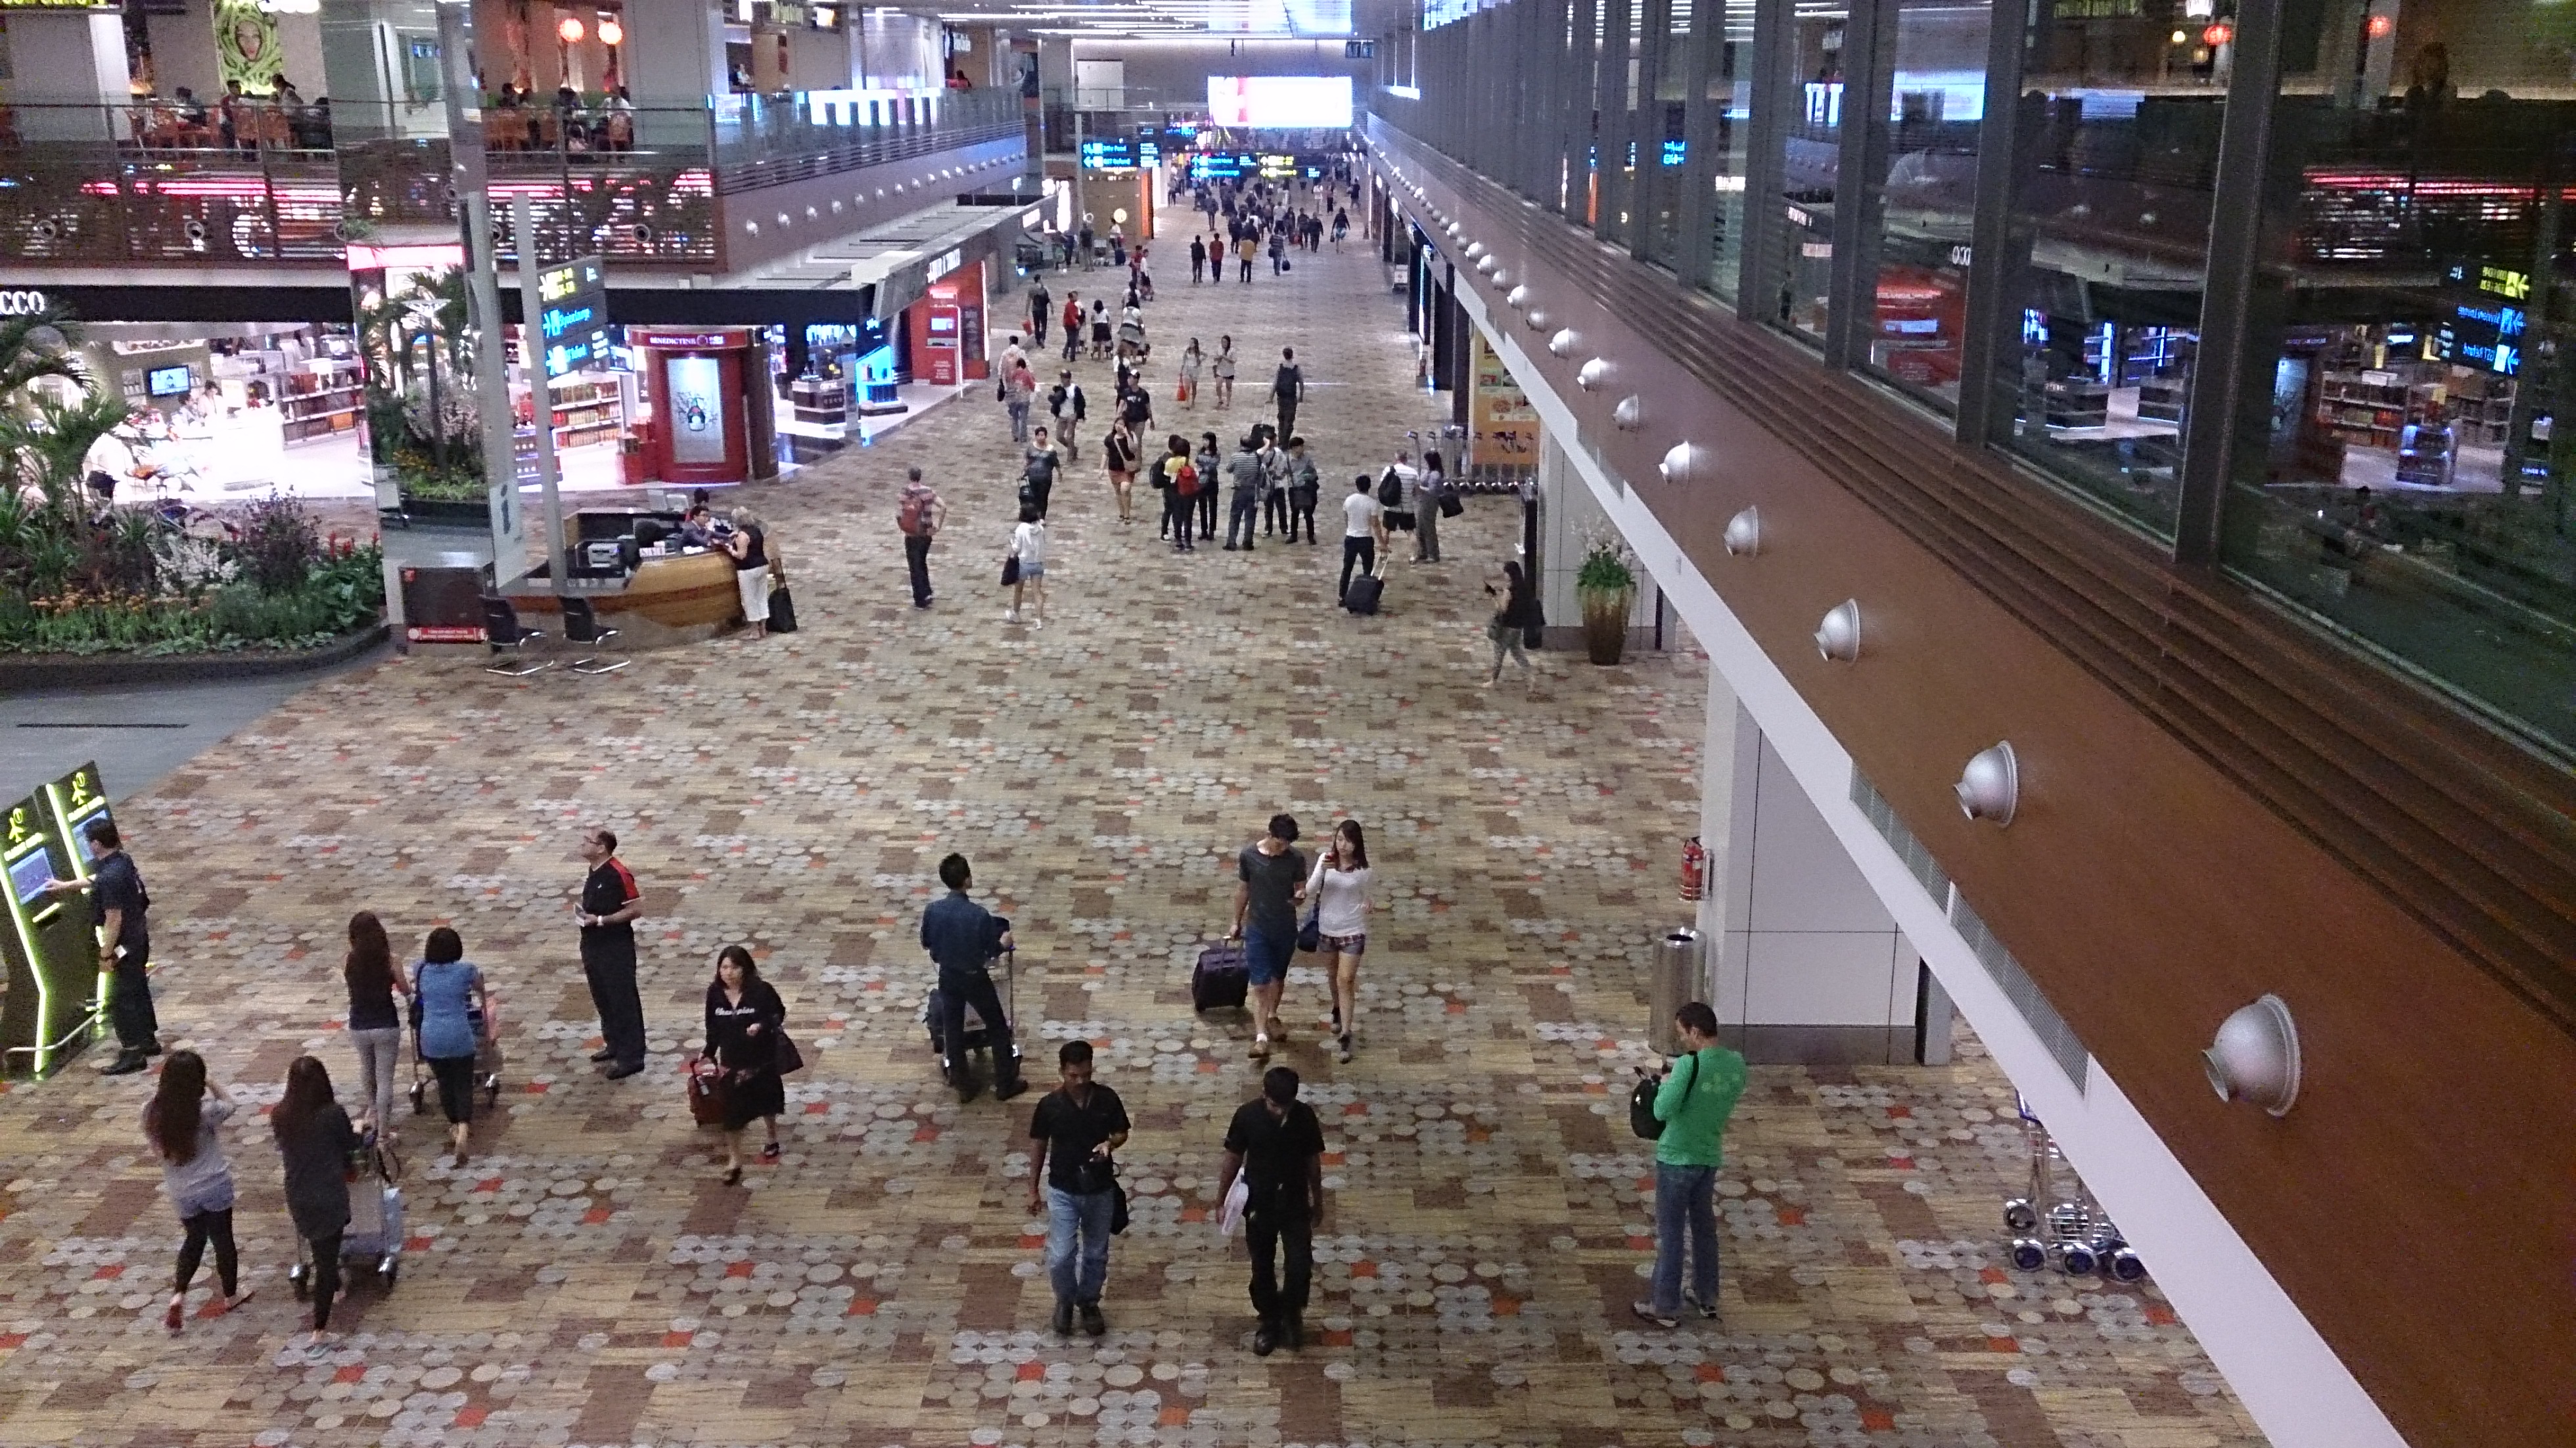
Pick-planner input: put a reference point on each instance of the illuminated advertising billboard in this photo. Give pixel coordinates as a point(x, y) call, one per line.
point(1280, 102)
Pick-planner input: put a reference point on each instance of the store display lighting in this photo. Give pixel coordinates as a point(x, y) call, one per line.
point(2256, 1056)
point(1838, 637)
point(610, 32)
point(570, 30)
point(1679, 462)
point(2378, 27)
point(2217, 34)
point(1744, 533)
point(1990, 787)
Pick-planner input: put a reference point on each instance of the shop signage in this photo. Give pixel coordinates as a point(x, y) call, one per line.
point(2482, 336)
point(946, 262)
point(1960, 257)
point(21, 303)
point(684, 341)
point(572, 318)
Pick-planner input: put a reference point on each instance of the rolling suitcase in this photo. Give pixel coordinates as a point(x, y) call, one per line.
point(1220, 980)
point(1367, 591)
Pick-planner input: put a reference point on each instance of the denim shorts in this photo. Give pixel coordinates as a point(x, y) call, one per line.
point(1265, 960)
point(1032, 572)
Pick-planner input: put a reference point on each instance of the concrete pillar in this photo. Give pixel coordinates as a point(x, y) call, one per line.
point(675, 52)
point(1809, 967)
point(67, 75)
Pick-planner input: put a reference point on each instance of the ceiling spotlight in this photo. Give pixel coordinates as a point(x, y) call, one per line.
point(1475, 249)
point(1592, 374)
point(2256, 1056)
point(1630, 414)
point(1838, 637)
point(1679, 461)
point(1563, 342)
point(1518, 298)
point(1990, 787)
point(1537, 318)
point(1744, 533)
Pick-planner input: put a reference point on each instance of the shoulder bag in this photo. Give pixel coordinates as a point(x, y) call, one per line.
point(1010, 570)
point(1641, 1103)
point(707, 1089)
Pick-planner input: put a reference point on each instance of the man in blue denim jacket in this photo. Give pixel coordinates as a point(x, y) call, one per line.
point(963, 938)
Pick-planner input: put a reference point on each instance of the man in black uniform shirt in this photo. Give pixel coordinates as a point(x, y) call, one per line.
point(610, 901)
point(1075, 1129)
point(1277, 1145)
point(117, 905)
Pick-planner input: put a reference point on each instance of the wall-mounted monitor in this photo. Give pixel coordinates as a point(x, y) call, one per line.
point(170, 381)
point(1280, 102)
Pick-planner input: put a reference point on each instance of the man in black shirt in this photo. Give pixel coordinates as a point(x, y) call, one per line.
point(610, 901)
point(1288, 389)
point(117, 905)
point(1277, 1146)
point(1037, 473)
point(1076, 1127)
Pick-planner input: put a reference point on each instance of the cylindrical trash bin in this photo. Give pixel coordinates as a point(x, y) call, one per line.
point(1673, 983)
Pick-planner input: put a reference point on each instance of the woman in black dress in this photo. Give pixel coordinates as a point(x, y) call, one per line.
point(315, 1139)
point(744, 1016)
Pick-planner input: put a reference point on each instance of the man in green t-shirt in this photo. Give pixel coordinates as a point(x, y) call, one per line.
point(1698, 1094)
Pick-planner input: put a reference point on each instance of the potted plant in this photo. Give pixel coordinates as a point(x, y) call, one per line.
point(1606, 585)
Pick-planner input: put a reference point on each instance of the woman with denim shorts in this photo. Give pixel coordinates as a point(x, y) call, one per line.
point(1339, 887)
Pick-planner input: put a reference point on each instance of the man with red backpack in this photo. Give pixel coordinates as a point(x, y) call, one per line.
point(918, 513)
point(1179, 479)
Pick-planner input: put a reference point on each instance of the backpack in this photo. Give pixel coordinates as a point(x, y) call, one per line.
point(1641, 1103)
point(909, 517)
point(1187, 480)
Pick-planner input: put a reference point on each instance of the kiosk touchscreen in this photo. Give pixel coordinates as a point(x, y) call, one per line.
point(49, 948)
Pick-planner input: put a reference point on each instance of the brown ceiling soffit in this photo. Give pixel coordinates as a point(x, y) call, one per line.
point(2471, 832)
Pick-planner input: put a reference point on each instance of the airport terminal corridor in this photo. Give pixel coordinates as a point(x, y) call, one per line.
point(588, 1279)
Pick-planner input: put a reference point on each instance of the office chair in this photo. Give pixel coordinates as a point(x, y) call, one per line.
point(502, 631)
point(581, 626)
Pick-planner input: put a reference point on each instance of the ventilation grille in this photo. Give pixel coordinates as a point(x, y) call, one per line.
point(1918, 860)
point(2022, 991)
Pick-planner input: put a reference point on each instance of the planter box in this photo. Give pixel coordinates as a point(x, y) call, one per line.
point(62, 671)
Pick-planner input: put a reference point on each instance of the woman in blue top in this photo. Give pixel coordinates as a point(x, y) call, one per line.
point(455, 1016)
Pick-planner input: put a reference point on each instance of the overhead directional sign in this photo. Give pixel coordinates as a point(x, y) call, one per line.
point(572, 320)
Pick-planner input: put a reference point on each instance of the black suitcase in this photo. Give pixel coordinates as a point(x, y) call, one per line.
point(1366, 592)
point(782, 610)
point(1220, 981)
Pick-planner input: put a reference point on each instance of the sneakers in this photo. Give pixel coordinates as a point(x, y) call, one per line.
point(1346, 1048)
point(1092, 1322)
point(1704, 1309)
point(1063, 1318)
point(1649, 1312)
point(1010, 615)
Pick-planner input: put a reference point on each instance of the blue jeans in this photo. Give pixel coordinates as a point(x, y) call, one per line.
point(1078, 1279)
point(1685, 1198)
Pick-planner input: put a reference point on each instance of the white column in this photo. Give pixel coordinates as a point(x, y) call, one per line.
point(67, 75)
point(1808, 965)
point(675, 53)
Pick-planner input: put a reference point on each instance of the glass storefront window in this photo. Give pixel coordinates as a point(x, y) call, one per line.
point(1730, 98)
point(1928, 197)
point(2402, 482)
point(1811, 155)
point(2106, 251)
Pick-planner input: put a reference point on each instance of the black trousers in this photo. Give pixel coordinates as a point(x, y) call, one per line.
point(455, 1087)
point(1037, 329)
point(1247, 268)
point(1265, 1232)
point(326, 1276)
point(957, 991)
point(205, 1227)
point(916, 560)
point(1274, 511)
point(1301, 509)
point(129, 1002)
point(1177, 518)
point(1287, 422)
point(611, 973)
point(1198, 270)
point(1362, 551)
point(1207, 509)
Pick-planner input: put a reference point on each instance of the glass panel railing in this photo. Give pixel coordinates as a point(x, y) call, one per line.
point(162, 185)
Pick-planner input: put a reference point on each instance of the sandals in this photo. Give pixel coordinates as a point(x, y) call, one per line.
point(769, 1152)
point(1261, 1048)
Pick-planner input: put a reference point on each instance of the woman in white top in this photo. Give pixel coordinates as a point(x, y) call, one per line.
point(1339, 888)
point(1224, 369)
point(1028, 545)
point(1191, 358)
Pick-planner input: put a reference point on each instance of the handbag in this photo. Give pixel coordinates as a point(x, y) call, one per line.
point(1310, 935)
point(1641, 1103)
point(1450, 506)
point(707, 1091)
point(1010, 570)
point(1118, 1218)
point(790, 1060)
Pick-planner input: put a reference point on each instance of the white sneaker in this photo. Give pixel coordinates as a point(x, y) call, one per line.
point(1010, 615)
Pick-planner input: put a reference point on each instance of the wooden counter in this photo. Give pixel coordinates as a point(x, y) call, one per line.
point(683, 599)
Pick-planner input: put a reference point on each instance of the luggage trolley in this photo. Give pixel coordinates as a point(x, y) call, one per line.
point(487, 1063)
point(976, 1034)
point(2071, 1231)
point(373, 1240)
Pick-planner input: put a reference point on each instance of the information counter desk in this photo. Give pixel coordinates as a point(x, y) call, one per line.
point(671, 595)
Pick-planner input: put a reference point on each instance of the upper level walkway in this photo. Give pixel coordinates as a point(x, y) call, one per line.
point(587, 1280)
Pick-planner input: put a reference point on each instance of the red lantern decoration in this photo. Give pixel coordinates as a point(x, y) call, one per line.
point(2379, 26)
point(2217, 33)
point(610, 32)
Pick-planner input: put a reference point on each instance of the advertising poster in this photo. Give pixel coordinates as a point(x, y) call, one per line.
point(697, 410)
point(1502, 427)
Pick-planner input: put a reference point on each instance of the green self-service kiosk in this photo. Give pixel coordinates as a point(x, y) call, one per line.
point(54, 991)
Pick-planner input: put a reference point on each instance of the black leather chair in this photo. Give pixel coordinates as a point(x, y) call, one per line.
point(509, 641)
point(581, 626)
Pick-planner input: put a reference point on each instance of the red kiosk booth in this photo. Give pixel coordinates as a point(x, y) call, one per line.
point(712, 413)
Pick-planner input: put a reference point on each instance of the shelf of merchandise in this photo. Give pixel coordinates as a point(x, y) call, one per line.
point(2161, 399)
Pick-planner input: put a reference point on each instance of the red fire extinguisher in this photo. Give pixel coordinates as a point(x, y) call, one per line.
point(1694, 869)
